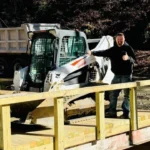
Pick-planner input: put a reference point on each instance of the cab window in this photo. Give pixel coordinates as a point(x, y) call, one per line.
point(72, 47)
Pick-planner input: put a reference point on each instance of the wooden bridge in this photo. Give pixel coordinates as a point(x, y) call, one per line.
point(95, 133)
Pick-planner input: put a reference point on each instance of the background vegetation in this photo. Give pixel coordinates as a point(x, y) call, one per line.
point(95, 17)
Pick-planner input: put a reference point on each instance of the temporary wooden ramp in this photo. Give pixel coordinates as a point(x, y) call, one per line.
point(78, 133)
point(89, 134)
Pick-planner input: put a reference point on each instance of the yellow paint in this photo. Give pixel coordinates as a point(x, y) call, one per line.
point(133, 109)
point(5, 129)
point(100, 118)
point(59, 123)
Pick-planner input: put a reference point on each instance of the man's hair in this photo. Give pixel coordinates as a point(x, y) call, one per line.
point(119, 34)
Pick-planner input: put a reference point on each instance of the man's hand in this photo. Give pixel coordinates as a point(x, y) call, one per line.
point(125, 57)
point(89, 52)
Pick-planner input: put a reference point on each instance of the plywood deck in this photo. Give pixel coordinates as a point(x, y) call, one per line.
point(34, 137)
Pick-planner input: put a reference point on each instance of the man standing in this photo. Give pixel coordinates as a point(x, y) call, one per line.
point(122, 58)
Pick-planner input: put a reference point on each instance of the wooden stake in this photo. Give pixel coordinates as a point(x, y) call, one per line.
point(100, 118)
point(59, 123)
point(133, 110)
point(5, 129)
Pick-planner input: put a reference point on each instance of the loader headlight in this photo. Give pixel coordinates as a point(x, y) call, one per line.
point(49, 78)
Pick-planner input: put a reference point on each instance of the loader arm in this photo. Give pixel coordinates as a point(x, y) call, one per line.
point(56, 77)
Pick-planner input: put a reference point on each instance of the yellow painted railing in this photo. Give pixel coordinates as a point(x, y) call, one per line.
point(7, 100)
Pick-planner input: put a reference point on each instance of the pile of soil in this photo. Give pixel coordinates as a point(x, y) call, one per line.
point(142, 65)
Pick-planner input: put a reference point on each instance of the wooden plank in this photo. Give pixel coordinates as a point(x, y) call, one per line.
point(18, 98)
point(5, 129)
point(6, 80)
point(117, 142)
point(141, 136)
point(31, 140)
point(59, 123)
point(76, 134)
point(2, 92)
point(100, 118)
point(143, 119)
point(133, 110)
point(45, 109)
point(143, 83)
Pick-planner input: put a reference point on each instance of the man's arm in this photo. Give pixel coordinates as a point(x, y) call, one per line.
point(104, 53)
point(131, 55)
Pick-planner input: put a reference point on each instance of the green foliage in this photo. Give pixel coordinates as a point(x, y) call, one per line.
point(104, 17)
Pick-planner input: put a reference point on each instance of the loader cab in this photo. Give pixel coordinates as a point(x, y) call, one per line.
point(43, 54)
point(51, 49)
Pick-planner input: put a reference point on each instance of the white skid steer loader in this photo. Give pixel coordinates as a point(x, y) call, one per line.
point(58, 61)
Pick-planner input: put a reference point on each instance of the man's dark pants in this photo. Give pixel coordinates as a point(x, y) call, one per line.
point(114, 95)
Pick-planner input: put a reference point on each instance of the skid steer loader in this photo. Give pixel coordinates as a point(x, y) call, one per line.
point(58, 60)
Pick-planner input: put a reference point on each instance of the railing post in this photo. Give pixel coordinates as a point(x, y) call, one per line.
point(5, 129)
point(59, 123)
point(100, 118)
point(133, 110)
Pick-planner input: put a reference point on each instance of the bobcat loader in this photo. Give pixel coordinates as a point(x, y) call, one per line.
point(58, 61)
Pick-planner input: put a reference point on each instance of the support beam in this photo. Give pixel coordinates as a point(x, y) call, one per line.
point(6, 80)
point(22, 97)
point(133, 109)
point(59, 123)
point(100, 117)
point(143, 83)
point(5, 129)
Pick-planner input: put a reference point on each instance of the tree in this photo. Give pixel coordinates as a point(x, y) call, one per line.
point(105, 17)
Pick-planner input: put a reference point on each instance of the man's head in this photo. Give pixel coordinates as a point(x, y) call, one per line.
point(120, 39)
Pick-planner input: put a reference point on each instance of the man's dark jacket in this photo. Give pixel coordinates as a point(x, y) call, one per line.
point(118, 65)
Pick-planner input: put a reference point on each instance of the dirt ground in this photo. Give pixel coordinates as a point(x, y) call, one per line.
point(143, 99)
point(142, 65)
point(142, 72)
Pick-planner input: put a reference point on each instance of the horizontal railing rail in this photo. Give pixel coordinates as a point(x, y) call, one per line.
point(19, 97)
